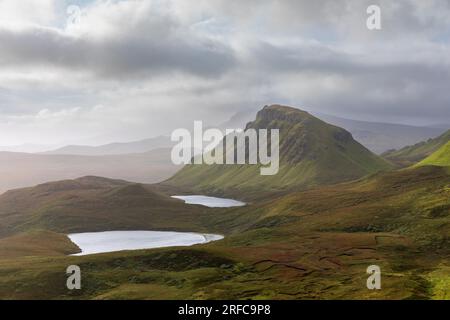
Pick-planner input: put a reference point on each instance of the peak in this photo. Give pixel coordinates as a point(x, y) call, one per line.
point(283, 113)
point(283, 109)
point(280, 107)
point(277, 108)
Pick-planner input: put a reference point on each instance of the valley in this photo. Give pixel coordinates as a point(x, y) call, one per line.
point(309, 244)
point(313, 239)
point(244, 151)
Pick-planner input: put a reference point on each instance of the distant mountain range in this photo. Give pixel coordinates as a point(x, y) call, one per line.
point(26, 148)
point(25, 169)
point(380, 137)
point(376, 136)
point(116, 148)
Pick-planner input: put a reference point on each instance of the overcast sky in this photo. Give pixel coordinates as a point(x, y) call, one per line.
point(133, 69)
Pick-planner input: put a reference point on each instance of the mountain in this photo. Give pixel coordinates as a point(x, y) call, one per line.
point(311, 240)
point(441, 157)
point(380, 137)
point(23, 169)
point(411, 155)
point(92, 204)
point(117, 148)
point(312, 152)
point(26, 148)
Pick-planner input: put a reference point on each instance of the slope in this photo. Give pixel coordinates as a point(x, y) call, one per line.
point(439, 158)
point(411, 155)
point(116, 148)
point(314, 244)
point(93, 204)
point(312, 153)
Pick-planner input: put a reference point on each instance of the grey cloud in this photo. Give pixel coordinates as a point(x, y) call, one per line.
point(401, 88)
point(129, 55)
point(343, 19)
point(266, 51)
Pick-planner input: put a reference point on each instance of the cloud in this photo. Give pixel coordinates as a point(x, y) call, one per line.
point(20, 14)
point(116, 40)
point(157, 65)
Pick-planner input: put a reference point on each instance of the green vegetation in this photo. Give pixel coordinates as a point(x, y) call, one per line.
point(440, 283)
point(411, 155)
point(310, 244)
point(312, 153)
point(439, 158)
point(301, 237)
point(36, 243)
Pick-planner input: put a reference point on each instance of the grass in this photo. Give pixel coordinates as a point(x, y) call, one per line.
point(94, 204)
point(439, 158)
point(313, 244)
point(440, 282)
point(307, 233)
point(410, 155)
point(36, 243)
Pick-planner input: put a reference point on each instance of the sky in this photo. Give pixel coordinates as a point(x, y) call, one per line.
point(94, 72)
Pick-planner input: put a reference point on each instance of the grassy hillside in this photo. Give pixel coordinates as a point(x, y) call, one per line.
point(313, 244)
point(312, 153)
point(36, 243)
point(411, 155)
point(93, 204)
point(439, 158)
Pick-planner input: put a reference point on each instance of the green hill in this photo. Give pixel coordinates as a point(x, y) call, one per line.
point(312, 153)
point(93, 204)
point(411, 155)
point(439, 158)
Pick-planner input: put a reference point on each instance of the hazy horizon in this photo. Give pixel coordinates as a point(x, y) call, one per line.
point(89, 142)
